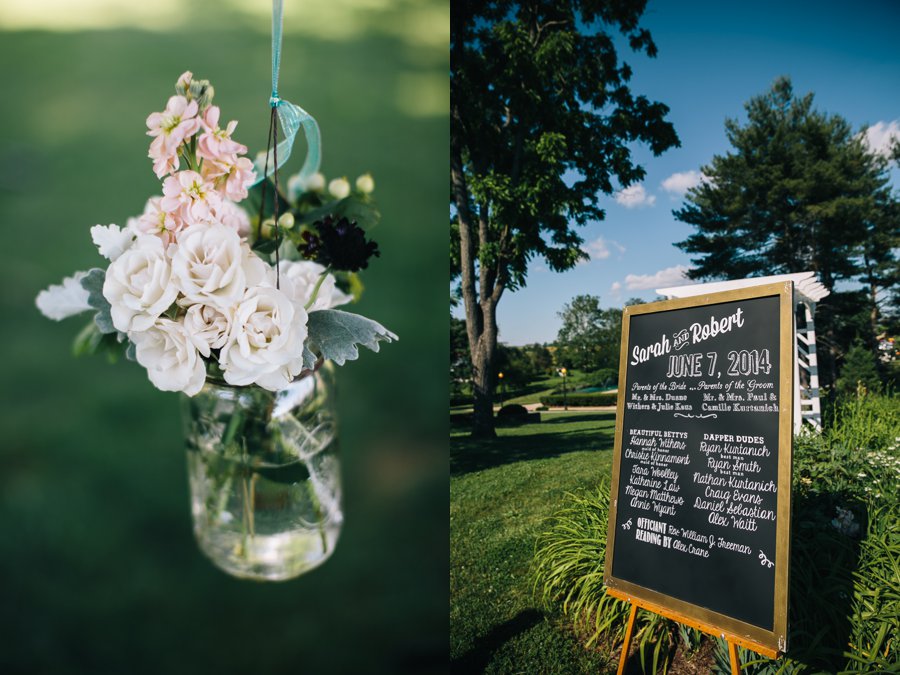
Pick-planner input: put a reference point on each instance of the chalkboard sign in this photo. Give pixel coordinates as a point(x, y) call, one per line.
point(700, 511)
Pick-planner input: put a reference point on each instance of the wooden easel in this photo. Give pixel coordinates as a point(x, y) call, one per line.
point(733, 640)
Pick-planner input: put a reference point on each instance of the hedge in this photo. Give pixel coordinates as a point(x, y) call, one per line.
point(577, 400)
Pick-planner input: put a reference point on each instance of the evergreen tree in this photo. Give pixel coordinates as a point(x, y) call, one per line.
point(859, 372)
point(542, 122)
point(799, 191)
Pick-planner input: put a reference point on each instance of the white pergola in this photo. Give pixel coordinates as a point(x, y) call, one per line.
point(808, 291)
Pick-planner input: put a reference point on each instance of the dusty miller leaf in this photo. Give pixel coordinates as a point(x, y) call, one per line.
point(93, 284)
point(338, 333)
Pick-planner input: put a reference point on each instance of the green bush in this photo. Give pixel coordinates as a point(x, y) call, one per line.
point(576, 400)
point(844, 610)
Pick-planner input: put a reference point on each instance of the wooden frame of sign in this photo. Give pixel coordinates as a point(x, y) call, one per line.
point(700, 508)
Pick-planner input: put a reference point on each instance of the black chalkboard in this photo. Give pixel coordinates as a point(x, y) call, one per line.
point(700, 513)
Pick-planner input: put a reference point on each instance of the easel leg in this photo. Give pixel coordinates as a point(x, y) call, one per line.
point(733, 657)
point(629, 629)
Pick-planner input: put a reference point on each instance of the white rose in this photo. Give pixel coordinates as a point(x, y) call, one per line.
point(266, 342)
point(207, 327)
point(111, 240)
point(211, 266)
point(299, 279)
point(171, 360)
point(139, 286)
point(339, 188)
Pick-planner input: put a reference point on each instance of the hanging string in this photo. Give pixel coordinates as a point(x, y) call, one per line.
point(292, 118)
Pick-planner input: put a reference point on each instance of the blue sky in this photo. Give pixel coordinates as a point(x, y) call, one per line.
point(714, 56)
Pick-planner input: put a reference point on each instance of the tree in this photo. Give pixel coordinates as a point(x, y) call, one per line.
point(589, 337)
point(859, 372)
point(800, 191)
point(460, 366)
point(541, 121)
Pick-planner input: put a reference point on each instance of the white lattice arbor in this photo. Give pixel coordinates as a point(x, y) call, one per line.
point(807, 292)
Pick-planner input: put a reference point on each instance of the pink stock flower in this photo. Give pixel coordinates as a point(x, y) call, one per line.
point(155, 220)
point(172, 127)
point(184, 80)
point(232, 176)
point(215, 143)
point(163, 162)
point(189, 197)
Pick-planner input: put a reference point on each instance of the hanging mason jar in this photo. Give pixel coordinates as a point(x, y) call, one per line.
point(264, 475)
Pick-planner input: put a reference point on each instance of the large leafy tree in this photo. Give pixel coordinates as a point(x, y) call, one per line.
point(589, 337)
point(542, 122)
point(799, 191)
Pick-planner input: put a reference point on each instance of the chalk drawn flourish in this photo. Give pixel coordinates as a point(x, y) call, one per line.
point(763, 560)
point(698, 417)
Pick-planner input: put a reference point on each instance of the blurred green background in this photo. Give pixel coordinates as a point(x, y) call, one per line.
point(98, 568)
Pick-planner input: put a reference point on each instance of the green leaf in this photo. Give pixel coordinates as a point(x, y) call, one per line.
point(92, 282)
point(337, 334)
point(355, 207)
point(88, 340)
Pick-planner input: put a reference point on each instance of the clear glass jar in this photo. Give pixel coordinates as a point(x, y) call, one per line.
point(264, 475)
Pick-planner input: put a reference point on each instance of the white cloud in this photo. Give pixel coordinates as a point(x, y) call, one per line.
point(679, 183)
point(635, 196)
point(615, 290)
point(671, 276)
point(880, 136)
point(601, 249)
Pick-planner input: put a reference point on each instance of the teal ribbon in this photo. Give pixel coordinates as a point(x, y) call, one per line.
point(291, 118)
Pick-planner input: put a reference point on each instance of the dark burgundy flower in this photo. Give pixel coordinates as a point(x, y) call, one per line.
point(344, 245)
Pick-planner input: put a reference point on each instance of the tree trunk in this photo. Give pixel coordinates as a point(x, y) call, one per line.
point(481, 317)
point(483, 374)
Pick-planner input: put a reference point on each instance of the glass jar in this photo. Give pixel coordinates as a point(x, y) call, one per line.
point(264, 475)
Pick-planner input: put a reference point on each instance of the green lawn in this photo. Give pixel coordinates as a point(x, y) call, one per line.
point(501, 492)
point(100, 571)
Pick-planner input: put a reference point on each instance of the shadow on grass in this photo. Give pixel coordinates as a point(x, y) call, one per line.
point(467, 454)
point(552, 418)
point(477, 658)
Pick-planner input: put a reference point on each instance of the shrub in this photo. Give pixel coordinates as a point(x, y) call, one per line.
point(515, 414)
point(576, 400)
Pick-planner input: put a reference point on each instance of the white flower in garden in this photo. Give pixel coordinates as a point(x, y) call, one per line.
point(190, 197)
point(61, 301)
point(231, 215)
point(299, 278)
point(365, 183)
point(266, 342)
point(139, 286)
point(339, 188)
point(207, 327)
point(171, 359)
point(156, 221)
point(111, 240)
point(298, 184)
point(212, 266)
